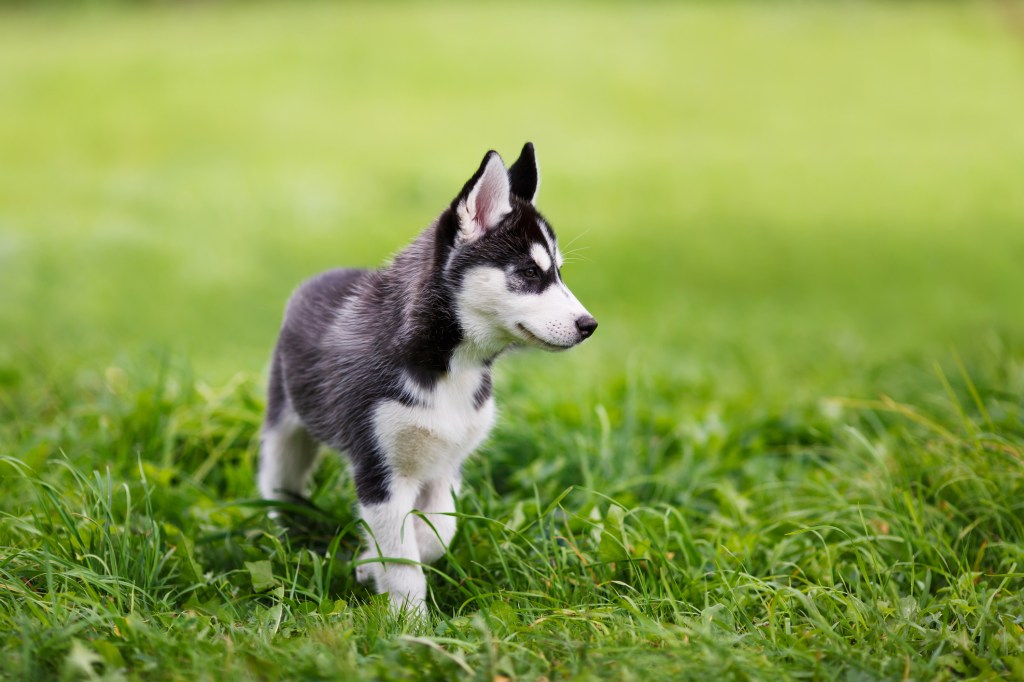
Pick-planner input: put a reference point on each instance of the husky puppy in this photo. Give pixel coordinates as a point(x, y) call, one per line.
point(393, 366)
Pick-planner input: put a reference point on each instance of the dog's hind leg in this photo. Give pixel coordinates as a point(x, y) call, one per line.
point(287, 451)
point(287, 456)
point(436, 528)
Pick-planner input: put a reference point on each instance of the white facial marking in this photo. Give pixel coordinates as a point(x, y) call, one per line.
point(492, 315)
point(481, 299)
point(546, 230)
point(541, 257)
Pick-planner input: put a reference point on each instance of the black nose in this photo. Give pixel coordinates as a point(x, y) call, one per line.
point(586, 325)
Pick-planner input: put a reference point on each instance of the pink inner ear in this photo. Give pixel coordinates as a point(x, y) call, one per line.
point(488, 202)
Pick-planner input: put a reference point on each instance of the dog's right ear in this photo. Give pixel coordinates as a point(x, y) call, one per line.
point(484, 201)
point(525, 175)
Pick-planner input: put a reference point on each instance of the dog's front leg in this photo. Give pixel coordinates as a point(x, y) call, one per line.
point(436, 528)
point(391, 535)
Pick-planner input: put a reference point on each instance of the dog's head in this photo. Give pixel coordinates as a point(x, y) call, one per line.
point(504, 257)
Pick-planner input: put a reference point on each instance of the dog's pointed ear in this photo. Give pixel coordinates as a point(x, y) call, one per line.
point(525, 174)
point(485, 199)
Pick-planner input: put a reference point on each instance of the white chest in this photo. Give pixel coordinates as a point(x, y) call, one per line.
point(430, 439)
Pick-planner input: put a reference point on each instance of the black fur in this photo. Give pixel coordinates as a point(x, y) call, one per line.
point(483, 391)
point(523, 174)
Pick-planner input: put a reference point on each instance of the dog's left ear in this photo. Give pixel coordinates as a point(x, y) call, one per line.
point(525, 175)
point(485, 199)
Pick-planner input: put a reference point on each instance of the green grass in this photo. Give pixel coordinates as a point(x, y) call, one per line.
point(794, 448)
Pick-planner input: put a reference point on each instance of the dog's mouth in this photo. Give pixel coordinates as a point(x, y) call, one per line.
point(533, 338)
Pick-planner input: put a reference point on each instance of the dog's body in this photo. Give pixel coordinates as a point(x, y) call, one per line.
point(393, 366)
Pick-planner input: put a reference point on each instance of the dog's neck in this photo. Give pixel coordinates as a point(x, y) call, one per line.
point(431, 340)
point(428, 331)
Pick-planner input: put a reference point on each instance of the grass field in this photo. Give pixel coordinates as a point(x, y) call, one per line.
point(794, 449)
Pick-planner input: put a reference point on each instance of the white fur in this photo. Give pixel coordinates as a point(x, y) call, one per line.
point(490, 313)
point(487, 203)
point(540, 257)
point(287, 456)
point(421, 440)
point(546, 230)
point(434, 532)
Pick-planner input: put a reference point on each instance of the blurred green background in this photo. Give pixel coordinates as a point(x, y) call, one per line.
point(765, 205)
point(768, 191)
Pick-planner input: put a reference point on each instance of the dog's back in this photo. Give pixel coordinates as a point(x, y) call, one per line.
point(307, 317)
